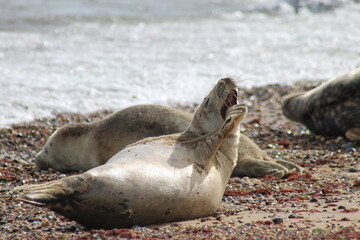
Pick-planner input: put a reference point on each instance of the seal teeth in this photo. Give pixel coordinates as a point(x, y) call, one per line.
point(230, 101)
point(233, 98)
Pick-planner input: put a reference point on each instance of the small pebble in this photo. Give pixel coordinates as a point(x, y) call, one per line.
point(353, 170)
point(25, 228)
point(341, 207)
point(271, 145)
point(278, 220)
point(70, 228)
point(332, 147)
point(347, 145)
point(293, 215)
point(313, 200)
point(350, 150)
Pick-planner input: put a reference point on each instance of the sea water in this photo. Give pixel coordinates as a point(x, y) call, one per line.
point(89, 55)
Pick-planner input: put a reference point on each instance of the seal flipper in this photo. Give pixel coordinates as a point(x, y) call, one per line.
point(353, 134)
point(252, 167)
point(204, 147)
point(48, 194)
point(229, 129)
point(292, 167)
point(258, 168)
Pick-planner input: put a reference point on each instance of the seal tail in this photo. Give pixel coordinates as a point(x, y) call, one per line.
point(53, 192)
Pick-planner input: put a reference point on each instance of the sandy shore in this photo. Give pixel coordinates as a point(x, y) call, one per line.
point(322, 203)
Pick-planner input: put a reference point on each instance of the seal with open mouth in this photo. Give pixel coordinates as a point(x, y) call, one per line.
point(160, 179)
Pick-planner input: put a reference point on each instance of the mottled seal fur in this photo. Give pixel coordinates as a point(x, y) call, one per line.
point(331, 109)
point(160, 179)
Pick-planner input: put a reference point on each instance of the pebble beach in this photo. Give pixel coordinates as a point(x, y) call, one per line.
point(321, 203)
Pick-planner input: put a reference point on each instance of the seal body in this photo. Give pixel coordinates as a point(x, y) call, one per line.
point(331, 109)
point(160, 179)
point(86, 145)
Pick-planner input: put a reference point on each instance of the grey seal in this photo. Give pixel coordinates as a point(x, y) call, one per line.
point(331, 109)
point(160, 179)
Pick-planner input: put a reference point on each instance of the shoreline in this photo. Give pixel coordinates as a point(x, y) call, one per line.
point(321, 203)
point(248, 91)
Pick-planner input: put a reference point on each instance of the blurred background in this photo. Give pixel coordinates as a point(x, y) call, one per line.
point(89, 55)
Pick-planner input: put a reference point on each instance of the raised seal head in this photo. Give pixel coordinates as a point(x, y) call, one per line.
point(211, 113)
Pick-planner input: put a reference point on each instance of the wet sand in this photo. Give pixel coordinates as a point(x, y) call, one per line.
point(321, 203)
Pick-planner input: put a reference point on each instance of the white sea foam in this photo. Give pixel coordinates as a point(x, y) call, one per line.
point(84, 56)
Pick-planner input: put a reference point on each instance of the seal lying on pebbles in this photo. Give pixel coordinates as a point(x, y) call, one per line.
point(87, 145)
point(160, 179)
point(84, 146)
point(331, 109)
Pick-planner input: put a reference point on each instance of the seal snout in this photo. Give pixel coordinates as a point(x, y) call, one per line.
point(291, 107)
point(40, 163)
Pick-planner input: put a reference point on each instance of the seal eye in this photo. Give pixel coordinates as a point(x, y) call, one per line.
point(45, 150)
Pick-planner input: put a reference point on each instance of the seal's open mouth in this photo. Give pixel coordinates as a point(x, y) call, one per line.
point(230, 101)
